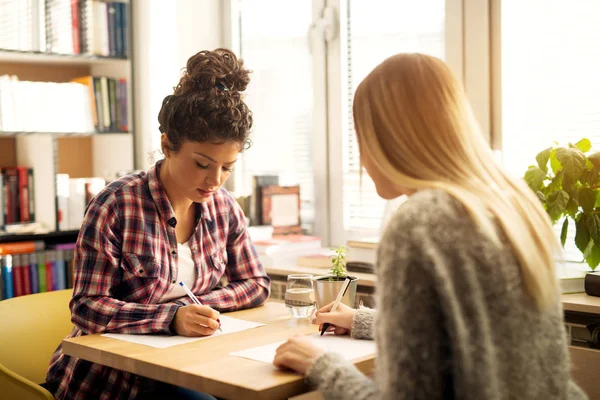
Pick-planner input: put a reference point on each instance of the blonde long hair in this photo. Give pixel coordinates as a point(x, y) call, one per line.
point(414, 123)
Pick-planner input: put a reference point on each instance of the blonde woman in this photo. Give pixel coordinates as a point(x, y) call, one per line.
point(468, 303)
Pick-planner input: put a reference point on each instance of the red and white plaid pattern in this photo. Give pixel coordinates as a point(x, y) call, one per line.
point(126, 260)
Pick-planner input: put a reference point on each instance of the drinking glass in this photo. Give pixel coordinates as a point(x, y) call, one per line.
point(299, 295)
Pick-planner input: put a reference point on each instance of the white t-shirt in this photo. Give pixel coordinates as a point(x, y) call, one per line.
point(186, 273)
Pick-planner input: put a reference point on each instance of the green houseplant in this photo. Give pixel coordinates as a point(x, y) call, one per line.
point(328, 286)
point(566, 179)
point(338, 263)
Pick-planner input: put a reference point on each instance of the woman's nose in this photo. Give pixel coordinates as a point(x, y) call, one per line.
point(214, 178)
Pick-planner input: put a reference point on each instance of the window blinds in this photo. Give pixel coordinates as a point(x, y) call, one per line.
point(378, 29)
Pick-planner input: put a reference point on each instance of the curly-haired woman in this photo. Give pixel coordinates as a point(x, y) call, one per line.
point(144, 233)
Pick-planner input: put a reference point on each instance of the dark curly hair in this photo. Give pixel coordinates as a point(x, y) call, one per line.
point(207, 105)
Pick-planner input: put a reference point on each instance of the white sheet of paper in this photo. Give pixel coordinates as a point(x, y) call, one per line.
point(349, 348)
point(228, 325)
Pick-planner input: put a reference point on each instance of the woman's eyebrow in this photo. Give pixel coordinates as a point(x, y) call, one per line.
point(213, 160)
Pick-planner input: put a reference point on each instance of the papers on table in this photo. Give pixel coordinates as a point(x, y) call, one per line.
point(349, 348)
point(228, 325)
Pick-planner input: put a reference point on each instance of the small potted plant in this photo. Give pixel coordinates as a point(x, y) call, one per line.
point(327, 287)
point(566, 179)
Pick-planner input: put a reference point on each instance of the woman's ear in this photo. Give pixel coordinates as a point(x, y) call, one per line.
point(165, 145)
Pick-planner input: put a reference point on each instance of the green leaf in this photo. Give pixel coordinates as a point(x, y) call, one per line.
point(542, 159)
point(572, 207)
point(597, 200)
point(582, 235)
point(556, 183)
point(541, 196)
point(587, 199)
point(584, 145)
point(563, 232)
point(589, 176)
point(588, 164)
point(557, 204)
point(593, 259)
point(595, 159)
point(592, 222)
point(554, 163)
point(535, 177)
point(572, 161)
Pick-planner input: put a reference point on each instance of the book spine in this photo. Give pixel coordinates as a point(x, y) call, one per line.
point(7, 273)
point(69, 258)
point(112, 100)
point(123, 102)
point(60, 270)
point(98, 102)
point(110, 19)
point(26, 275)
point(49, 273)
point(35, 288)
point(12, 195)
point(17, 277)
point(24, 194)
point(75, 27)
point(41, 269)
point(2, 200)
point(30, 184)
point(20, 247)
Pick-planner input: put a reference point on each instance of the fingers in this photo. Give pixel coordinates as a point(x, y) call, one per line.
point(205, 311)
point(330, 318)
point(325, 309)
point(340, 331)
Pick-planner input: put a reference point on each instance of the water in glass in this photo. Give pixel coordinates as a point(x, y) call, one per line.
point(299, 295)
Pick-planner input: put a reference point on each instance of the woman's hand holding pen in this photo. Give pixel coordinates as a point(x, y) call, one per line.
point(340, 320)
point(299, 353)
point(195, 320)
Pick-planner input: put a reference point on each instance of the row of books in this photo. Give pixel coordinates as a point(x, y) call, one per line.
point(73, 195)
point(35, 272)
point(65, 26)
point(88, 104)
point(17, 199)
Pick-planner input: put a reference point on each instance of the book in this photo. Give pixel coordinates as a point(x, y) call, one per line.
point(258, 182)
point(314, 261)
point(21, 247)
point(287, 243)
point(7, 275)
point(281, 209)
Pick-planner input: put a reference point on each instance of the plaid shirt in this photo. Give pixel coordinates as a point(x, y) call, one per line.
point(126, 260)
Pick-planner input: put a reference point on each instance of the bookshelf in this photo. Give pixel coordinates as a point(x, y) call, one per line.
point(80, 154)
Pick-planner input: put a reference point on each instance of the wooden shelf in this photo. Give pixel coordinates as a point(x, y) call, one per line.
point(50, 237)
point(22, 133)
point(17, 56)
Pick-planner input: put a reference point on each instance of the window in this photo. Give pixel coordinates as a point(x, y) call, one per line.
point(550, 84)
point(274, 45)
point(308, 57)
point(377, 29)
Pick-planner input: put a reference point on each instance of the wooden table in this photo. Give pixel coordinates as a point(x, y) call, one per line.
point(206, 365)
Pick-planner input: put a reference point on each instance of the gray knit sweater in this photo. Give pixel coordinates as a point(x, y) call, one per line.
point(453, 320)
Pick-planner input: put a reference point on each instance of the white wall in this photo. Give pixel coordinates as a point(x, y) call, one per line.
point(165, 34)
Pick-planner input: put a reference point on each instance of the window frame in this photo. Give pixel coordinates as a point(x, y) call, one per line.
point(473, 56)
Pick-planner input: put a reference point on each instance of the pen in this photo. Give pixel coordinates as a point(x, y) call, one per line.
point(195, 299)
point(337, 301)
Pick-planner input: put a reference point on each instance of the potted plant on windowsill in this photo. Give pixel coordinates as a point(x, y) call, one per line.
point(570, 192)
point(327, 287)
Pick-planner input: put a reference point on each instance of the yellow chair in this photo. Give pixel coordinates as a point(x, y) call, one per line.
point(31, 327)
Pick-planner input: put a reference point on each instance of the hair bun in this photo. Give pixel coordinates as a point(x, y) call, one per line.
point(218, 70)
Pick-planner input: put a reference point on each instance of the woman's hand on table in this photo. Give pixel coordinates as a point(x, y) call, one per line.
point(297, 354)
point(195, 320)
